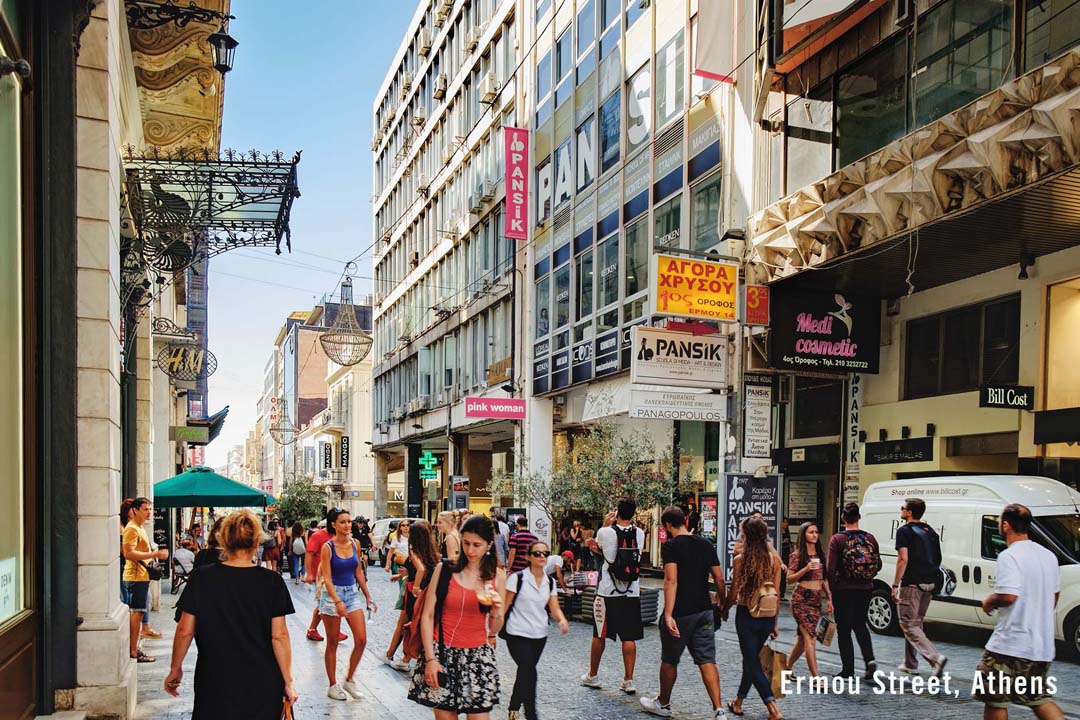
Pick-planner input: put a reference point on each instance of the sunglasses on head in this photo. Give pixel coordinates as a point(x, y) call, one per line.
point(538, 553)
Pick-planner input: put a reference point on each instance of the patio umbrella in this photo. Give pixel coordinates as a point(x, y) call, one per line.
point(200, 486)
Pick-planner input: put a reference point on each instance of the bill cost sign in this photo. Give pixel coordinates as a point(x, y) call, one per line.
point(701, 289)
point(516, 143)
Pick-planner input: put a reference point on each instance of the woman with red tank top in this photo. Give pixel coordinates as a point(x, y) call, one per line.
point(458, 623)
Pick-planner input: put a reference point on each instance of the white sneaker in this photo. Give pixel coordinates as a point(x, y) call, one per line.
point(652, 705)
point(387, 660)
point(902, 667)
point(400, 666)
point(353, 689)
point(590, 680)
point(512, 715)
point(627, 686)
point(334, 692)
point(720, 714)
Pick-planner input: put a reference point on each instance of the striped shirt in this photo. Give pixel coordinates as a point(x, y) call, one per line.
point(520, 541)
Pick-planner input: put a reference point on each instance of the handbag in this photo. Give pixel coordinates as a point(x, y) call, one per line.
point(773, 663)
point(153, 570)
point(287, 711)
point(826, 629)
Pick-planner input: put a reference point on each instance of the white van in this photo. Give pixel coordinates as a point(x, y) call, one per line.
point(964, 510)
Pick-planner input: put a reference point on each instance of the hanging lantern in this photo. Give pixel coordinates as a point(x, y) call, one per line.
point(282, 431)
point(346, 343)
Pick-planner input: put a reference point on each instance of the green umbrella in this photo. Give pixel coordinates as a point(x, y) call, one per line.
point(200, 486)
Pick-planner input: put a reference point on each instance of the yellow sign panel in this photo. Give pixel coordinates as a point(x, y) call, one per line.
point(693, 288)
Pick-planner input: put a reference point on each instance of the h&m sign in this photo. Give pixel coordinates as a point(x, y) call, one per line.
point(1012, 397)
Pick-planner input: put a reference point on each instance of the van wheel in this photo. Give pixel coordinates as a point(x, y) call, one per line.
point(1072, 634)
point(881, 614)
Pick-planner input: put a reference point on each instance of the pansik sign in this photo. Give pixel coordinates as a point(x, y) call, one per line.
point(663, 357)
point(516, 143)
point(853, 447)
point(493, 409)
point(666, 405)
point(745, 495)
point(700, 289)
point(823, 332)
point(757, 416)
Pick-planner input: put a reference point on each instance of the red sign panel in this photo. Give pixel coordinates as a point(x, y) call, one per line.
point(516, 142)
point(494, 409)
point(757, 305)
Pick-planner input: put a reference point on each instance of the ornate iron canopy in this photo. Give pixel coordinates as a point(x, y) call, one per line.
point(166, 329)
point(187, 205)
point(147, 15)
point(345, 342)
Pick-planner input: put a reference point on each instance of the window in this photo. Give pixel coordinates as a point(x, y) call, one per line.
point(564, 173)
point(609, 133)
point(959, 350)
point(543, 303)
point(608, 258)
point(586, 153)
point(562, 296)
point(564, 63)
point(586, 37)
point(542, 6)
point(706, 213)
point(1052, 27)
point(992, 542)
point(583, 282)
point(610, 27)
point(637, 257)
point(669, 80)
point(871, 104)
point(638, 110)
point(667, 223)
point(543, 191)
point(543, 89)
point(809, 130)
point(634, 10)
point(449, 360)
point(818, 405)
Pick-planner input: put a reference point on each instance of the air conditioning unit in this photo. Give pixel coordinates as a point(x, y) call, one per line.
point(424, 42)
point(406, 80)
point(422, 184)
point(489, 89)
point(385, 237)
point(385, 124)
point(419, 117)
point(447, 155)
point(376, 142)
point(472, 38)
point(423, 403)
point(475, 204)
point(440, 86)
point(414, 260)
point(487, 191)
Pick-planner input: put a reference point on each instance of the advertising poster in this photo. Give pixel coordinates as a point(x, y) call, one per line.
point(743, 496)
point(710, 514)
point(757, 416)
point(699, 289)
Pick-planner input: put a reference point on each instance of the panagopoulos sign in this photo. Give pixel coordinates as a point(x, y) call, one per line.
point(663, 357)
point(701, 289)
point(824, 332)
point(495, 409)
point(516, 143)
point(668, 405)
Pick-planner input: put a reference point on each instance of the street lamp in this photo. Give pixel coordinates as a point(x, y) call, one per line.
point(223, 48)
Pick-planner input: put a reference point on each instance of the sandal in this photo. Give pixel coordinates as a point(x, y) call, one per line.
point(731, 709)
point(142, 657)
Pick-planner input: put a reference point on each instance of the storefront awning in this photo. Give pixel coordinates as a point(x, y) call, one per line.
point(964, 194)
point(214, 423)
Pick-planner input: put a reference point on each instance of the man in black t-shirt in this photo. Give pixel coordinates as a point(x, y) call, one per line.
point(918, 565)
point(689, 560)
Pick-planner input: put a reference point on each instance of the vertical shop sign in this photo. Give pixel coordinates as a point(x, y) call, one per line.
point(745, 495)
point(756, 307)
point(757, 416)
point(345, 451)
point(516, 143)
point(327, 455)
point(853, 447)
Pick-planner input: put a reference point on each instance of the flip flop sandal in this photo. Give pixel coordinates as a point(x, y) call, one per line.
point(144, 658)
point(731, 709)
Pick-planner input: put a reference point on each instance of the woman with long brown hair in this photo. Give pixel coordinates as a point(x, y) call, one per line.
point(755, 584)
point(235, 611)
point(423, 557)
point(806, 568)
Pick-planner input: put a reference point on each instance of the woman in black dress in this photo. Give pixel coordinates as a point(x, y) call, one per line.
point(235, 611)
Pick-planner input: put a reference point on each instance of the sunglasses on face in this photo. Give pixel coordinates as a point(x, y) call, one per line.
point(538, 553)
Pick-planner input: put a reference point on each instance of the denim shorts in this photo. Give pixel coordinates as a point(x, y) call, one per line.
point(137, 594)
point(348, 594)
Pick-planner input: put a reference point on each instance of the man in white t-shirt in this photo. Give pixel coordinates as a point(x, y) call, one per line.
point(1018, 655)
point(620, 543)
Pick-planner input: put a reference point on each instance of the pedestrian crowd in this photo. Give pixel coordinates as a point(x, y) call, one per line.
point(461, 591)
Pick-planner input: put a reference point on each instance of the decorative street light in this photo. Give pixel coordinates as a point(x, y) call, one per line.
point(149, 14)
point(346, 343)
point(223, 47)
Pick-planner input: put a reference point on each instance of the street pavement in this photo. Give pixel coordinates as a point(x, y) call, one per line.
point(566, 658)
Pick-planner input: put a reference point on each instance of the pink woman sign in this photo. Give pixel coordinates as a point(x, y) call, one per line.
point(495, 409)
point(516, 141)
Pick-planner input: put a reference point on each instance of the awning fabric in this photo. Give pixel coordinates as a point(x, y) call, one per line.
point(214, 422)
point(200, 486)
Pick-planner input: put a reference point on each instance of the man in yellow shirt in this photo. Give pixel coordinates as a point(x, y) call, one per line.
point(135, 547)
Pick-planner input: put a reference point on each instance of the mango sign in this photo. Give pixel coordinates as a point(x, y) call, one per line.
point(700, 289)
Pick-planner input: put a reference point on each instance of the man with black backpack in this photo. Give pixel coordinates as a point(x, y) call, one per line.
point(854, 560)
point(918, 573)
point(619, 542)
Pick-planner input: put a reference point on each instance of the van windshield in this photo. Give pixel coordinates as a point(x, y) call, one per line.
point(1064, 530)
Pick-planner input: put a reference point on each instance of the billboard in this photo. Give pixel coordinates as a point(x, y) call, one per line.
point(688, 287)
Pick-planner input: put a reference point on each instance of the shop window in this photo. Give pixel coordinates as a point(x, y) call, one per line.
point(1052, 27)
point(817, 407)
point(638, 110)
point(809, 131)
point(608, 257)
point(871, 101)
point(609, 133)
point(543, 305)
point(637, 257)
point(667, 223)
point(706, 213)
point(669, 80)
point(583, 281)
point(959, 350)
point(698, 448)
point(562, 296)
point(1062, 349)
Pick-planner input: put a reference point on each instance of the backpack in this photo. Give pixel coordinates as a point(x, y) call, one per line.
point(412, 644)
point(520, 579)
point(766, 601)
point(627, 565)
point(858, 557)
point(929, 544)
point(302, 549)
point(269, 542)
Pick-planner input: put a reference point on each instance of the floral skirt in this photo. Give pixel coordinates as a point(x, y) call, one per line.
point(806, 607)
point(473, 682)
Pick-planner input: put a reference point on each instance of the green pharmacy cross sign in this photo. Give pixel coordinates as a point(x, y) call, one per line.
point(427, 466)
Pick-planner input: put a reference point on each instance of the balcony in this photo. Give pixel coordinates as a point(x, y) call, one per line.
point(332, 476)
point(332, 420)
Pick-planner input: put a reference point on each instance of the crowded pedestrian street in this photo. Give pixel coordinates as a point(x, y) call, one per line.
point(561, 695)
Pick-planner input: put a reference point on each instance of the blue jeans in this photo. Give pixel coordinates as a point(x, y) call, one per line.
point(296, 565)
point(125, 597)
point(753, 634)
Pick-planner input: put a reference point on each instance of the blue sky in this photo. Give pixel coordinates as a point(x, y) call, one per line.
point(305, 79)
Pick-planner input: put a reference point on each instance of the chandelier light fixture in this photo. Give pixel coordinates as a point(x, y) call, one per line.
point(346, 343)
point(282, 431)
